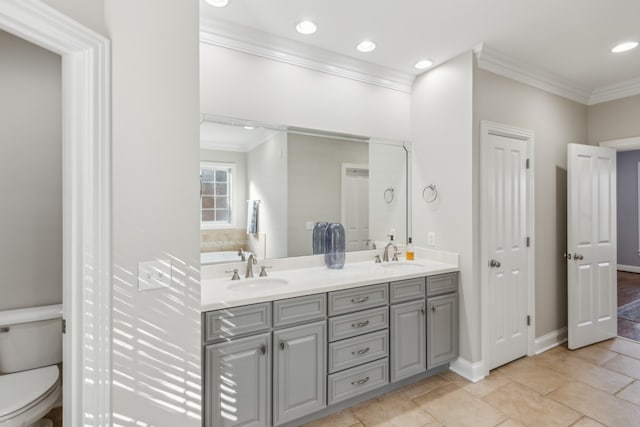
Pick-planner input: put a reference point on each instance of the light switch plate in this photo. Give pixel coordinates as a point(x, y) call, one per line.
point(154, 274)
point(431, 238)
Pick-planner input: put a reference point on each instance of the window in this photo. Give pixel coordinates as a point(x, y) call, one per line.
point(215, 194)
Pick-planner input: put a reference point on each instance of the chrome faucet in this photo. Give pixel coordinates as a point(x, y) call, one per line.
point(241, 255)
point(251, 261)
point(385, 255)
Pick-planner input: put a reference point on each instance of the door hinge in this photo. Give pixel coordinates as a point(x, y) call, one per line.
point(64, 326)
point(528, 241)
point(528, 163)
point(528, 320)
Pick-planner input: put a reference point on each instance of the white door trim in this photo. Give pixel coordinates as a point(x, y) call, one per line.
point(343, 186)
point(491, 128)
point(86, 192)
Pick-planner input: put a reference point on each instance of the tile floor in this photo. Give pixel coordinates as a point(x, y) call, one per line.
point(594, 386)
point(628, 291)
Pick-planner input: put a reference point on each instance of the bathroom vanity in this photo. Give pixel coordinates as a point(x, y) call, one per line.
point(307, 342)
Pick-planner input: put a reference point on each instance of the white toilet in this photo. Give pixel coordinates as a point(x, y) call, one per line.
point(30, 349)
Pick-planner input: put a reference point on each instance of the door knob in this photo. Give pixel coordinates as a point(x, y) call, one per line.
point(494, 263)
point(579, 257)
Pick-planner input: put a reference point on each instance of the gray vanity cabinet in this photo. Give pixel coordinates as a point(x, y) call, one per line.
point(442, 321)
point(238, 382)
point(299, 371)
point(408, 339)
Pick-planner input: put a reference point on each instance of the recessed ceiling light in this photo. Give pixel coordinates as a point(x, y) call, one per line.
point(424, 63)
point(623, 47)
point(217, 3)
point(366, 46)
point(306, 27)
point(247, 127)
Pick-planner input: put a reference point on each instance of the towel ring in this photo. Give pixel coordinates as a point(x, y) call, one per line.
point(434, 193)
point(388, 195)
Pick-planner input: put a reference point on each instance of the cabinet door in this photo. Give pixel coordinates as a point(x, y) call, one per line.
point(408, 339)
point(238, 382)
point(299, 371)
point(443, 330)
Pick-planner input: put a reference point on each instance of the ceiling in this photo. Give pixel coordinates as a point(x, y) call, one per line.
point(568, 39)
point(233, 137)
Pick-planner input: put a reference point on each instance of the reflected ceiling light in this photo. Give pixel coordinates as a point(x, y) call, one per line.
point(423, 63)
point(217, 3)
point(306, 27)
point(366, 46)
point(247, 127)
point(623, 47)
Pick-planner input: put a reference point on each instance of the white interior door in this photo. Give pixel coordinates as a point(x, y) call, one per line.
point(355, 207)
point(506, 223)
point(591, 244)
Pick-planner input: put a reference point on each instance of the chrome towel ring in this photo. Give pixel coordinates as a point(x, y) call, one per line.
point(431, 195)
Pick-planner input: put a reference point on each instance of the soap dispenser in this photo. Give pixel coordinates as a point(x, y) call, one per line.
point(410, 254)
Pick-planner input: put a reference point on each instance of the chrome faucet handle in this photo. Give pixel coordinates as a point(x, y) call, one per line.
point(395, 255)
point(373, 243)
point(235, 274)
point(241, 255)
point(263, 270)
point(377, 259)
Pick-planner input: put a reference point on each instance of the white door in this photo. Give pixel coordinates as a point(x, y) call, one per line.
point(506, 224)
point(355, 207)
point(591, 244)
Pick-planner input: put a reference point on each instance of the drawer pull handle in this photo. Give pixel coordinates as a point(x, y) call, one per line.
point(360, 352)
point(263, 349)
point(360, 382)
point(359, 300)
point(360, 324)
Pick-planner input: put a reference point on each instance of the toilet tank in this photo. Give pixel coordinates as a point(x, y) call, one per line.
point(30, 338)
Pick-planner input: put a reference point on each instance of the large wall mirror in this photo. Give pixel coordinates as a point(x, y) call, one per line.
point(263, 187)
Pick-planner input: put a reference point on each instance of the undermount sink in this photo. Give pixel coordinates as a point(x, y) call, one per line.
point(400, 264)
point(258, 282)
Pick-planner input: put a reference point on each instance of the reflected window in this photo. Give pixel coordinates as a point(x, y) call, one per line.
point(216, 194)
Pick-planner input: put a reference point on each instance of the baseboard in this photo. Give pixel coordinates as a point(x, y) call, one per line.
point(550, 340)
point(471, 371)
point(629, 268)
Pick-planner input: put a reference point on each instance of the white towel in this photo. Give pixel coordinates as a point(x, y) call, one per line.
point(252, 216)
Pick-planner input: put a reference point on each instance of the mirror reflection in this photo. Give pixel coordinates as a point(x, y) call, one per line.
point(264, 187)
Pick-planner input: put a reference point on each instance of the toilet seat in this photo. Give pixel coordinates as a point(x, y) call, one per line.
point(34, 390)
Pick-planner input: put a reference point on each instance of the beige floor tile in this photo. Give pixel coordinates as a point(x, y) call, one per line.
point(625, 365)
point(455, 378)
point(578, 369)
point(461, 408)
point(631, 393)
point(487, 385)
point(531, 374)
point(594, 354)
point(424, 386)
point(623, 346)
point(344, 418)
point(437, 393)
point(597, 404)
point(530, 408)
point(587, 422)
point(393, 410)
point(511, 423)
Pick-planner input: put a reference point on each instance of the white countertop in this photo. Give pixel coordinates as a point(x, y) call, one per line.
point(222, 292)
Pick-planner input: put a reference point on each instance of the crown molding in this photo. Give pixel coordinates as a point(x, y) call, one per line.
point(498, 63)
point(615, 91)
point(247, 40)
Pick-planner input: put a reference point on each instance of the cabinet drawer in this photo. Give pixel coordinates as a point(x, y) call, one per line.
point(358, 350)
point(358, 380)
point(442, 284)
point(362, 322)
point(361, 298)
point(297, 310)
point(405, 290)
point(237, 321)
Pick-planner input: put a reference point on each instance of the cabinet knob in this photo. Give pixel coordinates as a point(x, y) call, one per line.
point(263, 349)
point(433, 308)
point(282, 343)
point(422, 309)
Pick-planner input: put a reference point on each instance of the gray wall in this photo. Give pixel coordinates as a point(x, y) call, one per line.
point(556, 122)
point(30, 175)
point(614, 120)
point(627, 180)
point(314, 183)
